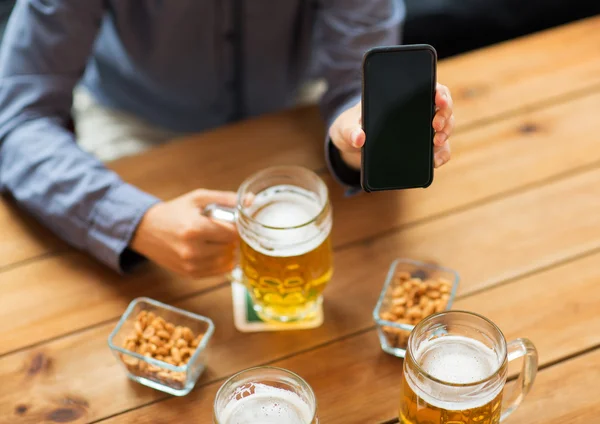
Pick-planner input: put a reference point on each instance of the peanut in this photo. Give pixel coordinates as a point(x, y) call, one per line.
point(397, 292)
point(399, 301)
point(388, 316)
point(162, 351)
point(158, 324)
point(149, 332)
point(399, 311)
point(433, 294)
point(188, 335)
point(155, 340)
point(414, 312)
point(175, 354)
point(163, 334)
point(177, 333)
point(129, 360)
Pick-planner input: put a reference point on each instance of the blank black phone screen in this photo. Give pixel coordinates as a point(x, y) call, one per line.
point(398, 107)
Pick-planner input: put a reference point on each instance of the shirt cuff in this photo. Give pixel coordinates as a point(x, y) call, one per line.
point(114, 221)
point(346, 176)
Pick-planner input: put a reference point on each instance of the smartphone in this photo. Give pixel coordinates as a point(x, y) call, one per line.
point(398, 106)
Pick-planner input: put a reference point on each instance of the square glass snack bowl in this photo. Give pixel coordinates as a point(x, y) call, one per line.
point(160, 375)
point(393, 336)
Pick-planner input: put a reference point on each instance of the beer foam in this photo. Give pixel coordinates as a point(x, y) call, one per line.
point(456, 360)
point(286, 206)
point(267, 405)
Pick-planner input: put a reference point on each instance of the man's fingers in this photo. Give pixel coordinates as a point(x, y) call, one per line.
point(441, 154)
point(443, 99)
point(216, 232)
point(439, 120)
point(355, 137)
point(444, 133)
point(202, 197)
point(346, 131)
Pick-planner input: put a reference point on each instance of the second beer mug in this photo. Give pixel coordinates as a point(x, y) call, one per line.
point(283, 216)
point(455, 370)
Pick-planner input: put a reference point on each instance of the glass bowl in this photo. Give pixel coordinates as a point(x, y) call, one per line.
point(393, 334)
point(170, 377)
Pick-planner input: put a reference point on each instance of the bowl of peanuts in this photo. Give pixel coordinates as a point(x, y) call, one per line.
point(161, 346)
point(412, 291)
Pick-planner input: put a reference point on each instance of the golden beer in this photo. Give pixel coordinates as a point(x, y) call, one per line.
point(286, 257)
point(455, 371)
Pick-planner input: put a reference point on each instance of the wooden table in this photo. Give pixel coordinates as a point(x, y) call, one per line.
point(515, 212)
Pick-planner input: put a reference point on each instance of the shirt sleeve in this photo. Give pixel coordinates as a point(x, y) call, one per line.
point(45, 48)
point(345, 31)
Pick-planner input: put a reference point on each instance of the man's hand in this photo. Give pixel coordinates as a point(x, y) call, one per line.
point(177, 236)
point(347, 134)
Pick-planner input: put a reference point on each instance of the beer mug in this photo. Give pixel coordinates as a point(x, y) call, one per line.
point(455, 371)
point(283, 216)
point(265, 395)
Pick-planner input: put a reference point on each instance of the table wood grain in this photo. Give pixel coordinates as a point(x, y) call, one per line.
point(513, 213)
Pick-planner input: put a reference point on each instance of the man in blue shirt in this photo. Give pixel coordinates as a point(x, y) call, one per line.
point(185, 66)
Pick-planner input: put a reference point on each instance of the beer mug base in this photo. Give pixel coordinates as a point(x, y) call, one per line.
point(307, 311)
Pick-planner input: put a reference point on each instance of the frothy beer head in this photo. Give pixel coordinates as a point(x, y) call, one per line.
point(266, 405)
point(286, 213)
point(457, 360)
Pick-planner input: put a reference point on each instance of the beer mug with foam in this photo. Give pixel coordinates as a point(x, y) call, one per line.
point(265, 395)
point(455, 371)
point(283, 216)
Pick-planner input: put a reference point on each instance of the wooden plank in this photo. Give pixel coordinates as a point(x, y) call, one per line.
point(482, 89)
point(21, 237)
point(356, 382)
point(519, 74)
point(67, 293)
point(224, 157)
point(566, 393)
point(555, 327)
point(514, 160)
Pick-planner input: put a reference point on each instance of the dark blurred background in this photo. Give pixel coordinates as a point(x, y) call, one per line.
point(456, 26)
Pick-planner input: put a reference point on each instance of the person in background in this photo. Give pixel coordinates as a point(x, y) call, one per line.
point(152, 69)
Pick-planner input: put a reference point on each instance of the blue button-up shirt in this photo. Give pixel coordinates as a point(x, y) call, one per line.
point(186, 65)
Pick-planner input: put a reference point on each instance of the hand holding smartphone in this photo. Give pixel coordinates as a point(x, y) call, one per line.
point(398, 106)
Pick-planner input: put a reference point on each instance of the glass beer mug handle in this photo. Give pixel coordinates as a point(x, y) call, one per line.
point(219, 213)
point(520, 348)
